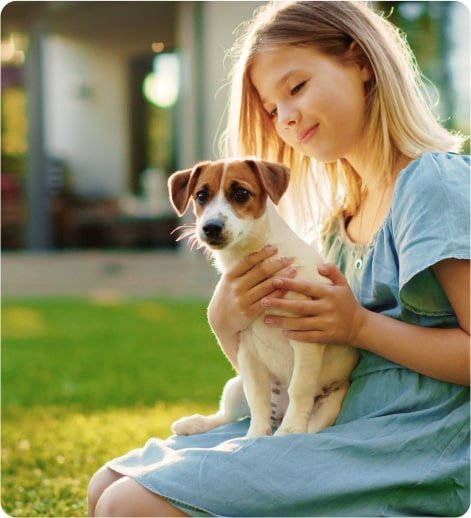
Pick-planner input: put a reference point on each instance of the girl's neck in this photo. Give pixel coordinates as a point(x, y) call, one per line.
point(375, 204)
point(369, 176)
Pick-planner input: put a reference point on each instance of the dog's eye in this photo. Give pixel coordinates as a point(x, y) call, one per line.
point(241, 195)
point(202, 197)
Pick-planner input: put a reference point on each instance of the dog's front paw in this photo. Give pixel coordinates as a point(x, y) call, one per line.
point(191, 425)
point(259, 431)
point(288, 430)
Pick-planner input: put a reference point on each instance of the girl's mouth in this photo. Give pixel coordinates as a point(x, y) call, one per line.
point(307, 134)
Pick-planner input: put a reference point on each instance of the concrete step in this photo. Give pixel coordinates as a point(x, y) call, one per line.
point(108, 274)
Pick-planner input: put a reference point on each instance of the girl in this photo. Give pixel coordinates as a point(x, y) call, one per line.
point(331, 89)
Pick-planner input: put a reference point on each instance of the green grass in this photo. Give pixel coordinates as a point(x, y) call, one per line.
point(84, 381)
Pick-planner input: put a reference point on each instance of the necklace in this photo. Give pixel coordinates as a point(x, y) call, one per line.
point(374, 219)
point(359, 260)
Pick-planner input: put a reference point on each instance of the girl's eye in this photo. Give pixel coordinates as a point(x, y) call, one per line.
point(297, 88)
point(202, 197)
point(241, 195)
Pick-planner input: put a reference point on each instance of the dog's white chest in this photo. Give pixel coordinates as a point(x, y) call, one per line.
point(272, 348)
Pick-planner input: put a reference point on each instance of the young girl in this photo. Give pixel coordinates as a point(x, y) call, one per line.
point(330, 89)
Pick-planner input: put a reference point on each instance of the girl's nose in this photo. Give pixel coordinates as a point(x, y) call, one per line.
point(288, 116)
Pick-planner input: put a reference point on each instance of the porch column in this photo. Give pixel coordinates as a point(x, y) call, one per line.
point(38, 233)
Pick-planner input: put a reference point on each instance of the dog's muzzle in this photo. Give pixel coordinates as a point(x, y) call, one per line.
point(213, 232)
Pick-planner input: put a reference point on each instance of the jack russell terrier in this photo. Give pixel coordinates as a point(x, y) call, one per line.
point(300, 384)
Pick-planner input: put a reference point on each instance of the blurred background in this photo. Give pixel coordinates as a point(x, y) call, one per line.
point(101, 101)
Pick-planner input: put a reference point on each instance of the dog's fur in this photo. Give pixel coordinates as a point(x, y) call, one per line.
point(233, 204)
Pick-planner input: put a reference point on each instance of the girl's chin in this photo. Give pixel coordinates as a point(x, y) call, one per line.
point(326, 156)
point(320, 156)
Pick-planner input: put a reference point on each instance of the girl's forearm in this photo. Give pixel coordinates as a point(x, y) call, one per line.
point(436, 352)
point(229, 343)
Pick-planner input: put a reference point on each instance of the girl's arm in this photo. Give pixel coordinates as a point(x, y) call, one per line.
point(334, 316)
point(236, 301)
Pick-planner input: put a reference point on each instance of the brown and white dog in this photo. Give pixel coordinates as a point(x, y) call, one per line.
point(234, 206)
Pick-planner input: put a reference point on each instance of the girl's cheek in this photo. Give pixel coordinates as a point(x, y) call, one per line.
point(289, 141)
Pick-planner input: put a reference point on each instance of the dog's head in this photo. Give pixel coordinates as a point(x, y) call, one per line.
point(229, 197)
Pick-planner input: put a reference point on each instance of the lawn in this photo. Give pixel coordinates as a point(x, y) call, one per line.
point(84, 381)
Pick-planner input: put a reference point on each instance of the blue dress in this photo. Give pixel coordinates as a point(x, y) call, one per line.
point(400, 446)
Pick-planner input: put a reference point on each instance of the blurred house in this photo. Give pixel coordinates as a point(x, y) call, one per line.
point(101, 101)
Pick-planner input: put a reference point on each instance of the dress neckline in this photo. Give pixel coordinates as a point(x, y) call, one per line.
point(362, 247)
point(359, 246)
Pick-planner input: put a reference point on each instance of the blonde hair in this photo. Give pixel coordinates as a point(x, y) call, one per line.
point(400, 117)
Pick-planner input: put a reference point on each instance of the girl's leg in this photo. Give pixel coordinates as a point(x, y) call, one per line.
point(126, 497)
point(103, 478)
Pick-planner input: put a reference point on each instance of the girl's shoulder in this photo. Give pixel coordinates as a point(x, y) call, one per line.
point(432, 171)
point(431, 204)
point(430, 222)
point(433, 181)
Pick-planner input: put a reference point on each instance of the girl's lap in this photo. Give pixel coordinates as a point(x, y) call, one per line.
point(391, 463)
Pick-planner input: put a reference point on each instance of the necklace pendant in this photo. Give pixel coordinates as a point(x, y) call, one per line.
point(358, 263)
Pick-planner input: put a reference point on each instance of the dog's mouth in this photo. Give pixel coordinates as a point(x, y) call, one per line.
point(215, 243)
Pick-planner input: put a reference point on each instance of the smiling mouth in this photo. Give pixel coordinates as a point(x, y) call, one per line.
point(307, 134)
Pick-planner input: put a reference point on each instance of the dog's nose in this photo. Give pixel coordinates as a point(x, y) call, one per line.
point(213, 228)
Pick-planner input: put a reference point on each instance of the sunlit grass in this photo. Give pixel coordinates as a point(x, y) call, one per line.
point(85, 381)
point(49, 453)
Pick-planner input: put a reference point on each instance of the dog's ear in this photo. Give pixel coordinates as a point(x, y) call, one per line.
point(178, 190)
point(273, 176)
point(181, 185)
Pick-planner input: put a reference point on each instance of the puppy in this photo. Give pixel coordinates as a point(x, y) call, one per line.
point(300, 384)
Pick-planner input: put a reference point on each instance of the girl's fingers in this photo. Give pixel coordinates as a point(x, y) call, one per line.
point(297, 307)
point(309, 330)
point(265, 271)
point(266, 289)
point(250, 261)
point(277, 294)
point(293, 323)
point(311, 289)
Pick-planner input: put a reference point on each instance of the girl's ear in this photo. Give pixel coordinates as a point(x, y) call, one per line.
point(356, 55)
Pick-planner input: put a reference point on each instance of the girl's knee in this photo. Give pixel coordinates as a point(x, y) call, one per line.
point(102, 479)
point(127, 497)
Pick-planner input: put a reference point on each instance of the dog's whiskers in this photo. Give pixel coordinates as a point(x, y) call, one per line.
point(189, 231)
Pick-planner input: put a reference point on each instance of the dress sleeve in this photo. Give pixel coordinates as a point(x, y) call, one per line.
point(431, 222)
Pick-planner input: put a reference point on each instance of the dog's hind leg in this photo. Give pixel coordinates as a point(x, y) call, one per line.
point(302, 388)
point(327, 409)
point(257, 387)
point(233, 406)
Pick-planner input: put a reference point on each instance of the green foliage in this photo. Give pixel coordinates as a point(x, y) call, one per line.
point(85, 381)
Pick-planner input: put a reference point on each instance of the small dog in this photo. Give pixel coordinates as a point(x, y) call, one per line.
point(300, 384)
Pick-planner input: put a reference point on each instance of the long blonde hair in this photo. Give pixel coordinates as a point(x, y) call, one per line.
point(400, 117)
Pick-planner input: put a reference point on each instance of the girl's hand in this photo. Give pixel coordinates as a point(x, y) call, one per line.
point(331, 315)
point(236, 300)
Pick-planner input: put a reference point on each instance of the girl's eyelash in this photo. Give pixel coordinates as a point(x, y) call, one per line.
point(297, 88)
point(273, 113)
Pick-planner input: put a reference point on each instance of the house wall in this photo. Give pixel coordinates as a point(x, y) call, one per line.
point(86, 96)
point(220, 21)
point(86, 113)
point(187, 139)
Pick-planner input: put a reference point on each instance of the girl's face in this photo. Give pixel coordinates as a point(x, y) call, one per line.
point(317, 104)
